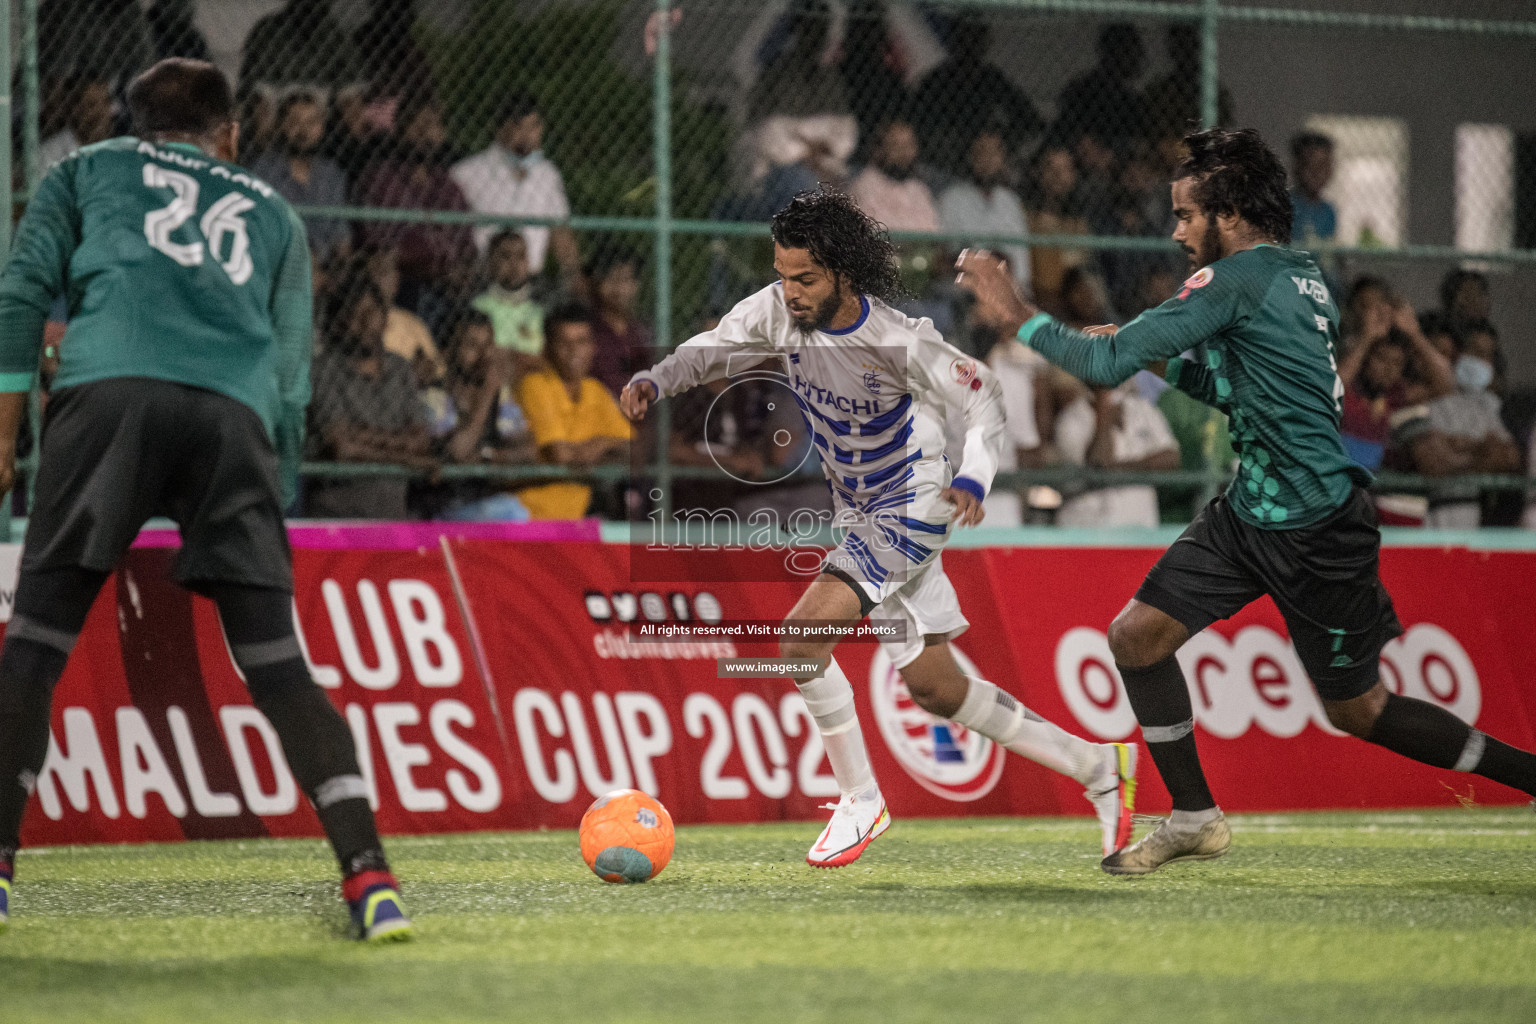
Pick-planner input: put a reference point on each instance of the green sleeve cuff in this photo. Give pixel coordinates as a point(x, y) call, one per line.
point(1173, 369)
point(10, 383)
point(1032, 325)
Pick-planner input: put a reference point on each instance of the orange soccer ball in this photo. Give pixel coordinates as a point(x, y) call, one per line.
point(626, 836)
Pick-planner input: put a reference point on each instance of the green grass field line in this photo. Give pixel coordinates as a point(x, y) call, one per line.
point(1400, 917)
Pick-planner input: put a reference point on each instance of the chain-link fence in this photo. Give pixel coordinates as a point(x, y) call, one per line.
point(514, 205)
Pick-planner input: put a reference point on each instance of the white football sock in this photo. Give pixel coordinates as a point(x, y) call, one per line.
point(996, 715)
point(1191, 821)
point(829, 697)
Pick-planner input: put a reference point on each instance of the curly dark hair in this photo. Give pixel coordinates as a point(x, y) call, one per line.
point(841, 238)
point(1237, 173)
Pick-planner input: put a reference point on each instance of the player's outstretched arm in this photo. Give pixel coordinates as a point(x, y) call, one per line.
point(1202, 308)
point(738, 342)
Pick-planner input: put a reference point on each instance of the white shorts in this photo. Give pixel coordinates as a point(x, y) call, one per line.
point(902, 582)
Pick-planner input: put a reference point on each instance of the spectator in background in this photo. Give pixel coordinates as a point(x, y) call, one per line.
point(1104, 102)
point(1053, 210)
point(1173, 101)
point(1386, 367)
point(393, 65)
point(1114, 428)
point(798, 116)
point(1367, 313)
point(258, 125)
point(623, 341)
point(365, 409)
point(85, 105)
point(1097, 190)
point(514, 178)
point(575, 421)
point(1021, 374)
point(981, 203)
point(1154, 286)
point(870, 67)
point(172, 31)
point(966, 95)
point(517, 321)
point(299, 44)
point(301, 175)
point(1461, 432)
point(1314, 219)
point(1084, 302)
point(482, 425)
point(356, 135)
point(888, 189)
point(1140, 206)
point(717, 425)
point(414, 176)
point(1464, 297)
point(105, 39)
point(405, 334)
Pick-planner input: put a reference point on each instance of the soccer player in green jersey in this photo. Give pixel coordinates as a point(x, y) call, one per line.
point(1296, 522)
point(180, 391)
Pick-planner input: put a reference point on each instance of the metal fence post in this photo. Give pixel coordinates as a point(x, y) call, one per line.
point(31, 98)
point(662, 141)
point(1210, 79)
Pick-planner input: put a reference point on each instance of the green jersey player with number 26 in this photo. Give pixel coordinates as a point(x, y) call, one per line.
point(180, 392)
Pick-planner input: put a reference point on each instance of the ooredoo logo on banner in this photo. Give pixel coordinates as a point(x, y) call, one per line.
point(1256, 680)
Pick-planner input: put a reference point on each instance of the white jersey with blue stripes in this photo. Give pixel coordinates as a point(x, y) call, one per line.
point(875, 396)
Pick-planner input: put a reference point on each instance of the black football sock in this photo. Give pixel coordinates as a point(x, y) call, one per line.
point(50, 609)
point(316, 741)
point(1431, 734)
point(1160, 699)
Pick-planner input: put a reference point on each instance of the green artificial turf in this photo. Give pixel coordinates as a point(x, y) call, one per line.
point(1390, 917)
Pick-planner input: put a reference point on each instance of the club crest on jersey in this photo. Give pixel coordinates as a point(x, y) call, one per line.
point(963, 370)
point(872, 382)
point(1199, 279)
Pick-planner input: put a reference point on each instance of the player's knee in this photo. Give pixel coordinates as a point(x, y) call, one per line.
point(1357, 716)
point(1137, 639)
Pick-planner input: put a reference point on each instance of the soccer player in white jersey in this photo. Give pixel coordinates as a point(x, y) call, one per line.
point(873, 386)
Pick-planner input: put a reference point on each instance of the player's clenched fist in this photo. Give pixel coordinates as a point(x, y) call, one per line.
point(635, 399)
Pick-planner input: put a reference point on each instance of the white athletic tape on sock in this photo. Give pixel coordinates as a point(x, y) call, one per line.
point(829, 698)
point(1472, 753)
point(23, 628)
point(1167, 733)
point(266, 652)
point(338, 788)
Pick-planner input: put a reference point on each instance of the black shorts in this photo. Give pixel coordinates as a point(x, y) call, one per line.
point(117, 452)
point(1323, 578)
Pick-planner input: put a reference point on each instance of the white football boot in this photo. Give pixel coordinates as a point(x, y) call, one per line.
point(855, 824)
point(1113, 795)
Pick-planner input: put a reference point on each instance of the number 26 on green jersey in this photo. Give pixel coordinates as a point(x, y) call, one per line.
point(223, 222)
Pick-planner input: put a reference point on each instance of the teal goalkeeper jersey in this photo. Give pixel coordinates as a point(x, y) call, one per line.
point(176, 266)
point(1269, 330)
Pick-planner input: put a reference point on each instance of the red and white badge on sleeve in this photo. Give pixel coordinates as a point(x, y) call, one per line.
point(1199, 279)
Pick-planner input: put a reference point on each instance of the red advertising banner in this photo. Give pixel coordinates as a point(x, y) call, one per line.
point(494, 684)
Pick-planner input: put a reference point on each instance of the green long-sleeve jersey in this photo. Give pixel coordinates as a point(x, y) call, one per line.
point(175, 266)
point(1269, 330)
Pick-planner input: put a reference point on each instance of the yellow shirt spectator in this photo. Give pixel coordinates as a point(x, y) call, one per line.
point(554, 416)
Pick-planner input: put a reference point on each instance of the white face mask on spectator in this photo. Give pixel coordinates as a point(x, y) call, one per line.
point(1473, 374)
